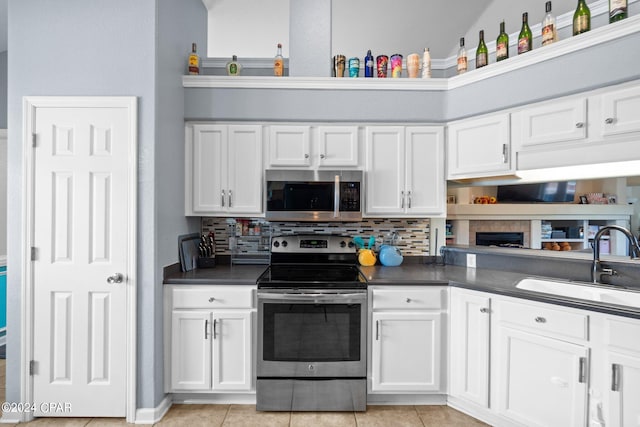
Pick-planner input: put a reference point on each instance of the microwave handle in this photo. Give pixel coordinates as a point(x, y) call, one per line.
point(336, 197)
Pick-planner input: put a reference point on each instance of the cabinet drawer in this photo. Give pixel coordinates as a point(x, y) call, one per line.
point(545, 320)
point(624, 334)
point(409, 298)
point(214, 297)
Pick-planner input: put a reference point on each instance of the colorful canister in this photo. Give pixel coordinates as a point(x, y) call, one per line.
point(382, 62)
point(354, 67)
point(413, 65)
point(396, 65)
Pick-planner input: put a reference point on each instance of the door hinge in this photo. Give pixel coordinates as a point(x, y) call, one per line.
point(33, 140)
point(34, 253)
point(31, 366)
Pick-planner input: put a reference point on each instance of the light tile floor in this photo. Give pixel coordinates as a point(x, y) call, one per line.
point(247, 416)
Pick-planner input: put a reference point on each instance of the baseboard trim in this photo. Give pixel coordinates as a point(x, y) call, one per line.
point(406, 399)
point(11, 418)
point(153, 415)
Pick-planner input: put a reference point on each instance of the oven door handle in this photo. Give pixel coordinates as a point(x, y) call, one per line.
point(336, 197)
point(339, 298)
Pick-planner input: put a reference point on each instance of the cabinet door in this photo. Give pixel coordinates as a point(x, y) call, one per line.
point(208, 151)
point(549, 123)
point(232, 351)
point(190, 350)
point(338, 146)
point(470, 325)
point(542, 381)
point(479, 147)
point(425, 183)
point(289, 146)
point(624, 389)
point(405, 352)
point(244, 190)
point(621, 111)
point(385, 170)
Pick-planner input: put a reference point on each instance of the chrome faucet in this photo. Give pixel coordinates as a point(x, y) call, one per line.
point(596, 267)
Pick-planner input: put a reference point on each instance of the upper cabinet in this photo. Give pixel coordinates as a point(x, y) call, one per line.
point(404, 167)
point(313, 146)
point(479, 147)
point(223, 170)
point(620, 111)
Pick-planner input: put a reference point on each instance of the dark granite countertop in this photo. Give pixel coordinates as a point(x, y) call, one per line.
point(479, 279)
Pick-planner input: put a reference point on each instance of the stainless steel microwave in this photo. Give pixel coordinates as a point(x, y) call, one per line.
point(314, 195)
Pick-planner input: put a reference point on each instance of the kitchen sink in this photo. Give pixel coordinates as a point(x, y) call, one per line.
point(583, 291)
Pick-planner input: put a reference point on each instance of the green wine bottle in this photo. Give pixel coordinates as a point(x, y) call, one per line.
point(482, 54)
point(502, 44)
point(581, 18)
point(617, 10)
point(525, 39)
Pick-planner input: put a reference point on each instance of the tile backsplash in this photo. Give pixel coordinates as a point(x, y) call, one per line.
point(413, 233)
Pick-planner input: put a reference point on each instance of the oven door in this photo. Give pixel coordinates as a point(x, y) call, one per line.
point(312, 333)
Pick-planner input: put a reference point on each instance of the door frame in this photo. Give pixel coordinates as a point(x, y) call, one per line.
point(30, 105)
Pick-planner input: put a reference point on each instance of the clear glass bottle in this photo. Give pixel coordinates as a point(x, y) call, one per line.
point(233, 66)
point(581, 18)
point(525, 39)
point(617, 10)
point(549, 30)
point(193, 65)
point(278, 62)
point(502, 44)
point(462, 57)
point(482, 53)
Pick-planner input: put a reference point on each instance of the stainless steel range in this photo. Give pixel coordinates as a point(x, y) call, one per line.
point(312, 305)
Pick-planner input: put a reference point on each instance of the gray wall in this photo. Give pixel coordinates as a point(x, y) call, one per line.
point(116, 54)
point(3, 90)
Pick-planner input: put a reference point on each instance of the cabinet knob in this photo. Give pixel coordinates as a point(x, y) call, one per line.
point(608, 120)
point(306, 156)
point(212, 299)
point(540, 319)
point(322, 156)
point(579, 125)
point(408, 300)
point(484, 310)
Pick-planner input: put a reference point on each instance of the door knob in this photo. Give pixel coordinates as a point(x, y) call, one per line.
point(116, 278)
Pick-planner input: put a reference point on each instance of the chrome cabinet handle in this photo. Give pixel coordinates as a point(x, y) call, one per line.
point(408, 300)
point(615, 377)
point(402, 199)
point(230, 198)
point(322, 156)
point(608, 120)
point(212, 299)
point(215, 322)
point(504, 153)
point(540, 319)
point(579, 125)
point(377, 330)
point(484, 310)
point(409, 198)
point(223, 198)
point(206, 326)
point(582, 372)
point(306, 156)
point(116, 278)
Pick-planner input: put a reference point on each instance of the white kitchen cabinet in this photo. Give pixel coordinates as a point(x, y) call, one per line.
point(542, 364)
point(406, 339)
point(223, 171)
point(211, 338)
point(470, 316)
point(622, 372)
point(620, 111)
point(479, 147)
point(555, 122)
point(314, 146)
point(405, 175)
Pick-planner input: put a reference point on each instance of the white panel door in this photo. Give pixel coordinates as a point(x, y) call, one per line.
point(80, 210)
point(621, 111)
point(232, 358)
point(289, 145)
point(553, 122)
point(425, 183)
point(624, 390)
point(385, 170)
point(244, 188)
point(191, 350)
point(338, 146)
point(209, 168)
point(405, 353)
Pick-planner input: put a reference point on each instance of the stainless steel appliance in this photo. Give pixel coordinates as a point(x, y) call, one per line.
point(312, 308)
point(313, 195)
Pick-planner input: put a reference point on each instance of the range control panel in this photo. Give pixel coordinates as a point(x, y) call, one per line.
point(312, 243)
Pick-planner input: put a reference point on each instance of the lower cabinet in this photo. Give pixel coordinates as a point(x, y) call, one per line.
point(407, 353)
point(210, 349)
